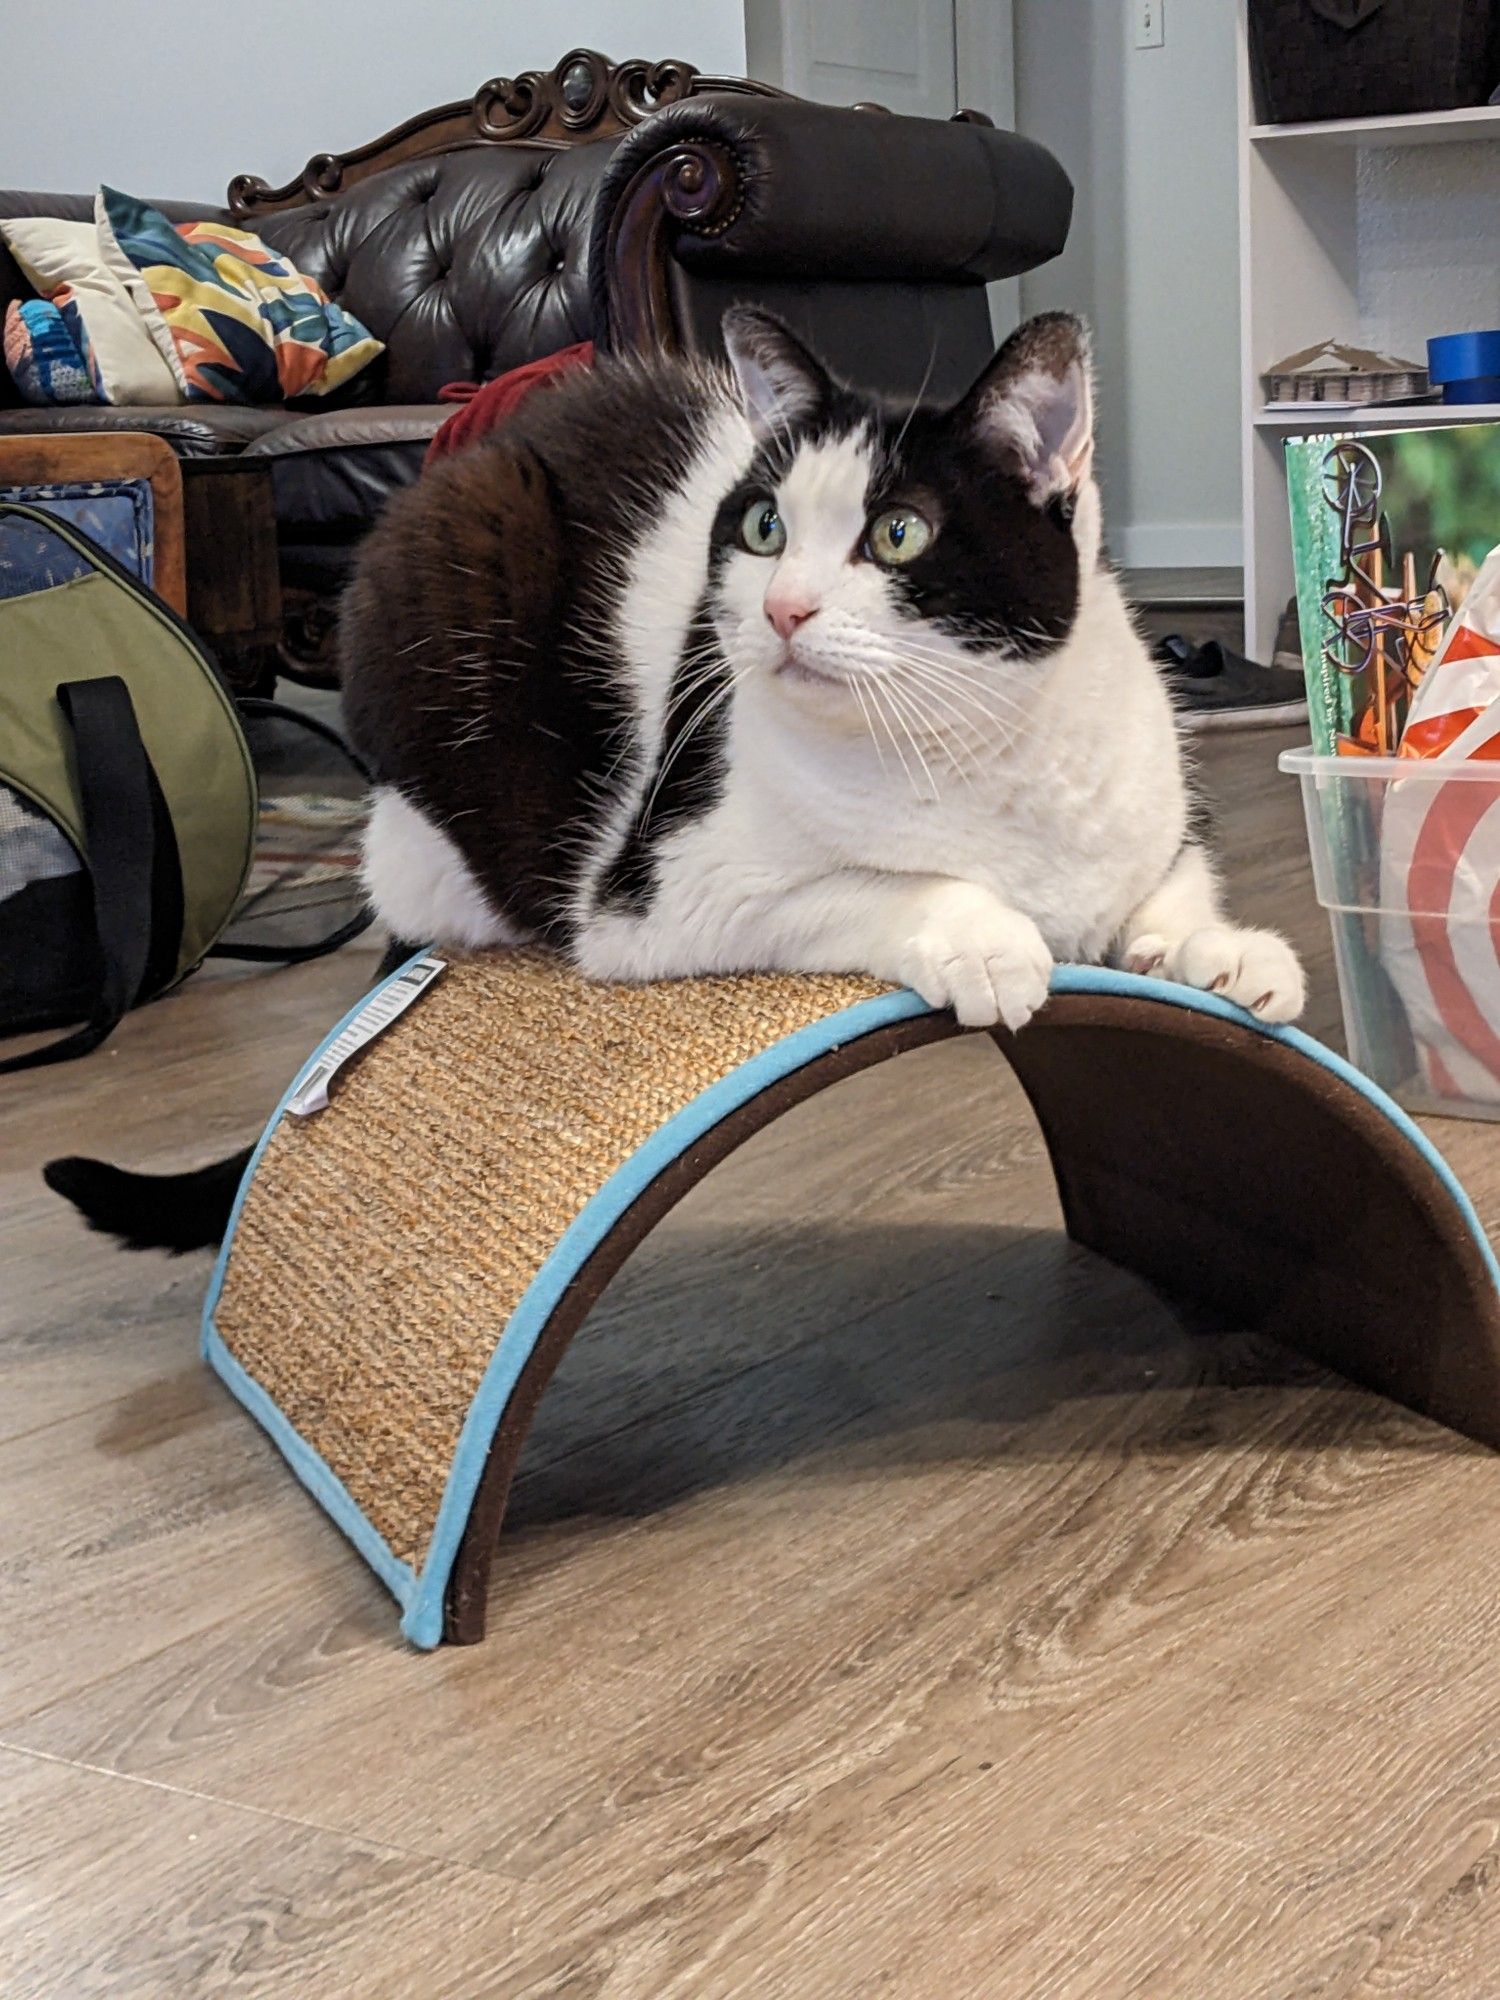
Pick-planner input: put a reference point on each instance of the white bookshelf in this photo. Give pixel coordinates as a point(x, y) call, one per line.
point(1379, 231)
point(1416, 128)
point(1297, 419)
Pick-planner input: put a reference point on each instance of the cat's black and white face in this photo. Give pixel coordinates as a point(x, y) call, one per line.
point(916, 558)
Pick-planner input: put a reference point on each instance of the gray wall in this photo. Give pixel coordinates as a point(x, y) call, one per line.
point(1149, 136)
point(167, 97)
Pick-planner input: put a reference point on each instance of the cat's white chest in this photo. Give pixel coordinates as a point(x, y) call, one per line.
point(1074, 869)
point(1072, 842)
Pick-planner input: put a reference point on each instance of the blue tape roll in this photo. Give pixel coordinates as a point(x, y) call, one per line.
point(1477, 389)
point(1463, 357)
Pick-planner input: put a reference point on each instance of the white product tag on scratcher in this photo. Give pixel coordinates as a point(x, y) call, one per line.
point(311, 1092)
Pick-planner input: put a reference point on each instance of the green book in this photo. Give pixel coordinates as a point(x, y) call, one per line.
point(1388, 528)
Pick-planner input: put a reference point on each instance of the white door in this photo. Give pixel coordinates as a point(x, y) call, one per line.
point(926, 57)
point(899, 53)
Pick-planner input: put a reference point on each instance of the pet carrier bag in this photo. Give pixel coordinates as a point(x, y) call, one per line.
point(128, 797)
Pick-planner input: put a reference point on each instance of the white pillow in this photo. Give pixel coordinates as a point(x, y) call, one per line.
point(52, 254)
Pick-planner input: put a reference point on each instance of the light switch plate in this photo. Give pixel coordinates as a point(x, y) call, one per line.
point(1150, 24)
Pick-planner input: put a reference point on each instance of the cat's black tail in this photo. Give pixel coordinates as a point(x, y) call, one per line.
point(167, 1211)
point(151, 1211)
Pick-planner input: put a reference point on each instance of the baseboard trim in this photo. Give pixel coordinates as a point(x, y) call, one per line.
point(1178, 545)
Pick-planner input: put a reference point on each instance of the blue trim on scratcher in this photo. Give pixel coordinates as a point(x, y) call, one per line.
point(324, 1484)
point(421, 1595)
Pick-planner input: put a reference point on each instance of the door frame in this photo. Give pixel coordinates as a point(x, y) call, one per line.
point(984, 47)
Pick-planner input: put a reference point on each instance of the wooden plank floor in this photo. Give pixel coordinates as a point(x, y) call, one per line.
point(896, 1599)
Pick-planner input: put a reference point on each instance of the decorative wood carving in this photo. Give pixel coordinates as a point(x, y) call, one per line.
point(584, 97)
point(693, 187)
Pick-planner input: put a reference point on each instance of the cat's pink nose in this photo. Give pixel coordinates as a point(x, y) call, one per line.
point(787, 610)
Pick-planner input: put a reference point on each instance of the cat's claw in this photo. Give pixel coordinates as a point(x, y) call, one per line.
point(1257, 970)
point(988, 963)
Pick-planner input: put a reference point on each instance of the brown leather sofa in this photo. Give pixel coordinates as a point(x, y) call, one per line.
point(627, 204)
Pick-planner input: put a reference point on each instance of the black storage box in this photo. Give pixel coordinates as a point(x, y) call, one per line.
point(1370, 58)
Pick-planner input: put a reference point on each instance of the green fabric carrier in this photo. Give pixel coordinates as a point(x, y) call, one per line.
point(128, 798)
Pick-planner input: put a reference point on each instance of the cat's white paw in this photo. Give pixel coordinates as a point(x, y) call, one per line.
point(1146, 954)
point(969, 952)
point(1255, 969)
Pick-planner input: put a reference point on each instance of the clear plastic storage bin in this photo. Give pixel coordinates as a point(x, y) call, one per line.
point(1406, 861)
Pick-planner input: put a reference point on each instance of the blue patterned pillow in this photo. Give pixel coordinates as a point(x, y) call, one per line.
point(43, 357)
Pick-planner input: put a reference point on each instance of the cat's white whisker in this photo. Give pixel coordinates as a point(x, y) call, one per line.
point(900, 702)
point(680, 742)
point(954, 735)
point(869, 725)
point(937, 731)
point(981, 703)
point(979, 689)
point(877, 695)
point(895, 450)
point(946, 741)
point(966, 665)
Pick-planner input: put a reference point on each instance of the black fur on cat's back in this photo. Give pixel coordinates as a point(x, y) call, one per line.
point(477, 668)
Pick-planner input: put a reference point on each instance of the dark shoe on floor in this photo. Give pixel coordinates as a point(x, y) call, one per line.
point(1287, 652)
point(1215, 688)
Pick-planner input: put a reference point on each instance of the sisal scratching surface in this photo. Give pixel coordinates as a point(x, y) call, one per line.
point(385, 1242)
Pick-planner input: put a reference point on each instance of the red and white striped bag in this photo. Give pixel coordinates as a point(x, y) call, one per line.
point(1440, 858)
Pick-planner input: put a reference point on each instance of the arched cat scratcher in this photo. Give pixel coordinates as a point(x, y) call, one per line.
point(407, 1266)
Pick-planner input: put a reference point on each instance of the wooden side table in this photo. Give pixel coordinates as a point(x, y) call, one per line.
point(215, 535)
point(82, 459)
point(233, 582)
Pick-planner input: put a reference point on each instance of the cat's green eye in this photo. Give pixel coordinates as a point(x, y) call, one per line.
point(897, 536)
point(761, 530)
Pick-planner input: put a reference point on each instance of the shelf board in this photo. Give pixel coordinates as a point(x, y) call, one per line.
point(1413, 128)
point(1184, 587)
point(1372, 416)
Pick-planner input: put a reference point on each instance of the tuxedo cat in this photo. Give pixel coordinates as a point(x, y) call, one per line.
point(692, 670)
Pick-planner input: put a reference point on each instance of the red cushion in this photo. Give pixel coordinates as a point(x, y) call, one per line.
point(482, 408)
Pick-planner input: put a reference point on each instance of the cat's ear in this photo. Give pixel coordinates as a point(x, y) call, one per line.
point(779, 381)
point(1035, 404)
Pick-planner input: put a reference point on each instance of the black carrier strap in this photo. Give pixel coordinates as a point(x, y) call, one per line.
point(133, 863)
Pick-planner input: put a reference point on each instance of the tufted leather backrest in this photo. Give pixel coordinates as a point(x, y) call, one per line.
point(464, 264)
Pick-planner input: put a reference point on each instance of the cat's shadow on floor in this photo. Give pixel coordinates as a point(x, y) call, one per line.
point(866, 1352)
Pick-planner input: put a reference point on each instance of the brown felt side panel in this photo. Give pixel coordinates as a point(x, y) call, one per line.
point(1221, 1165)
point(1233, 1171)
point(468, 1585)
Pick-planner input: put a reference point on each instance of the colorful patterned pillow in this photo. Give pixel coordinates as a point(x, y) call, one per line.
point(43, 357)
point(234, 321)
